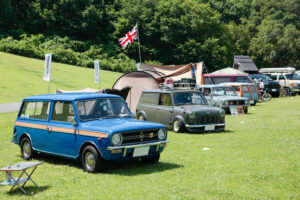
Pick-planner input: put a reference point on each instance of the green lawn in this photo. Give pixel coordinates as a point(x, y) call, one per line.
point(21, 77)
point(257, 157)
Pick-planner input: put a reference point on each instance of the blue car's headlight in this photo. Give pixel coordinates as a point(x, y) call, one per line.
point(162, 134)
point(116, 139)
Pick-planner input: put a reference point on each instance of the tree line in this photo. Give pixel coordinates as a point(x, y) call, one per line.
point(171, 31)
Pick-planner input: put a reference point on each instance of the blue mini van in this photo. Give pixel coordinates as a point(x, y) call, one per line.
point(91, 128)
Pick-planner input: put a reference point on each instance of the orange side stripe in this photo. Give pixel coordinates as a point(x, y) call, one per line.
point(63, 130)
point(92, 133)
point(30, 125)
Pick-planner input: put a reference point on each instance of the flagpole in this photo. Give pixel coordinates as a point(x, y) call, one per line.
point(139, 43)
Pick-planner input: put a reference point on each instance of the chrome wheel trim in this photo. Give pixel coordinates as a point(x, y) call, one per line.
point(141, 118)
point(26, 149)
point(176, 125)
point(90, 161)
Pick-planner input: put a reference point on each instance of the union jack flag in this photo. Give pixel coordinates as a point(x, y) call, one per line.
point(129, 37)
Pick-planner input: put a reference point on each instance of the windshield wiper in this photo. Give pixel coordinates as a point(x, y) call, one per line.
point(108, 117)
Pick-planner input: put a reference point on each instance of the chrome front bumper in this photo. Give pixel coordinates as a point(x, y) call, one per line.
point(138, 145)
point(203, 125)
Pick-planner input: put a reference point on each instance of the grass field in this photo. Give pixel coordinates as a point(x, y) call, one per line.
point(257, 157)
point(21, 77)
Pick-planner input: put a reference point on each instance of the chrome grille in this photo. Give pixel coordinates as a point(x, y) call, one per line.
point(209, 119)
point(139, 136)
point(236, 102)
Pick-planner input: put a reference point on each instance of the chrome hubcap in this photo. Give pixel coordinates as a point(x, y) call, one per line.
point(176, 125)
point(90, 160)
point(141, 118)
point(26, 150)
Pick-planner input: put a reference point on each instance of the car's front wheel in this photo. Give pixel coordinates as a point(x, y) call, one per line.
point(178, 126)
point(26, 149)
point(92, 160)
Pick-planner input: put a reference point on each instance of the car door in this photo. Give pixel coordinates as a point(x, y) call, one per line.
point(34, 120)
point(164, 109)
point(62, 132)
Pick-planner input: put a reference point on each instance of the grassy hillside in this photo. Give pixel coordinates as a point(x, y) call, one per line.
point(257, 157)
point(21, 77)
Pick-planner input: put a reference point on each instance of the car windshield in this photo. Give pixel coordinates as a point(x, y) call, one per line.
point(92, 109)
point(265, 78)
point(223, 91)
point(188, 98)
point(292, 77)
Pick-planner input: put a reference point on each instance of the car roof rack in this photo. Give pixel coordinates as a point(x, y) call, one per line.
point(183, 84)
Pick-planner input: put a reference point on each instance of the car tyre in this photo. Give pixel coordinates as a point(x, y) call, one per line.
point(92, 160)
point(27, 151)
point(178, 126)
point(152, 159)
point(141, 117)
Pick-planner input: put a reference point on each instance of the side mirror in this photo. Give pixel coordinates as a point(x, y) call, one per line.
point(74, 122)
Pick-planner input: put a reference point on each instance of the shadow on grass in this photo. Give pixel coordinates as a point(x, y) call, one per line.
point(134, 167)
point(30, 190)
point(127, 168)
point(205, 133)
point(56, 160)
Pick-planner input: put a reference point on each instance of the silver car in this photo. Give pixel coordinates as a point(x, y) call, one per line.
point(223, 97)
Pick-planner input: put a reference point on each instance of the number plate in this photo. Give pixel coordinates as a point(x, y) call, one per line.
point(251, 101)
point(209, 127)
point(141, 151)
point(273, 90)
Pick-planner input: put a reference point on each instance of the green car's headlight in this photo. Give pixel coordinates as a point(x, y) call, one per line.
point(162, 134)
point(192, 115)
point(116, 139)
point(222, 113)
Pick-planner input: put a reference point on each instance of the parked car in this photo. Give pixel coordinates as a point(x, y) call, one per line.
point(248, 90)
point(180, 109)
point(226, 78)
point(91, 128)
point(272, 87)
point(223, 96)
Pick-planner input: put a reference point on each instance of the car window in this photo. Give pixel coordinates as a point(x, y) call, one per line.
point(149, 98)
point(188, 98)
point(273, 77)
point(63, 111)
point(245, 88)
point(206, 91)
point(242, 79)
point(165, 100)
point(92, 109)
point(236, 88)
point(281, 77)
point(252, 88)
point(218, 80)
point(35, 110)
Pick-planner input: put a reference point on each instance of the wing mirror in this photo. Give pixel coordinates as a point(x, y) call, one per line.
point(74, 122)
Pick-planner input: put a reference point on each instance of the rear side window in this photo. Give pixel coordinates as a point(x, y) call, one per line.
point(218, 80)
point(252, 88)
point(35, 110)
point(281, 77)
point(274, 77)
point(245, 88)
point(165, 100)
point(63, 111)
point(236, 88)
point(149, 98)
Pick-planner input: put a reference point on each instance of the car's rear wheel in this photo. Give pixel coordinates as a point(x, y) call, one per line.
point(152, 159)
point(178, 126)
point(92, 160)
point(26, 149)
